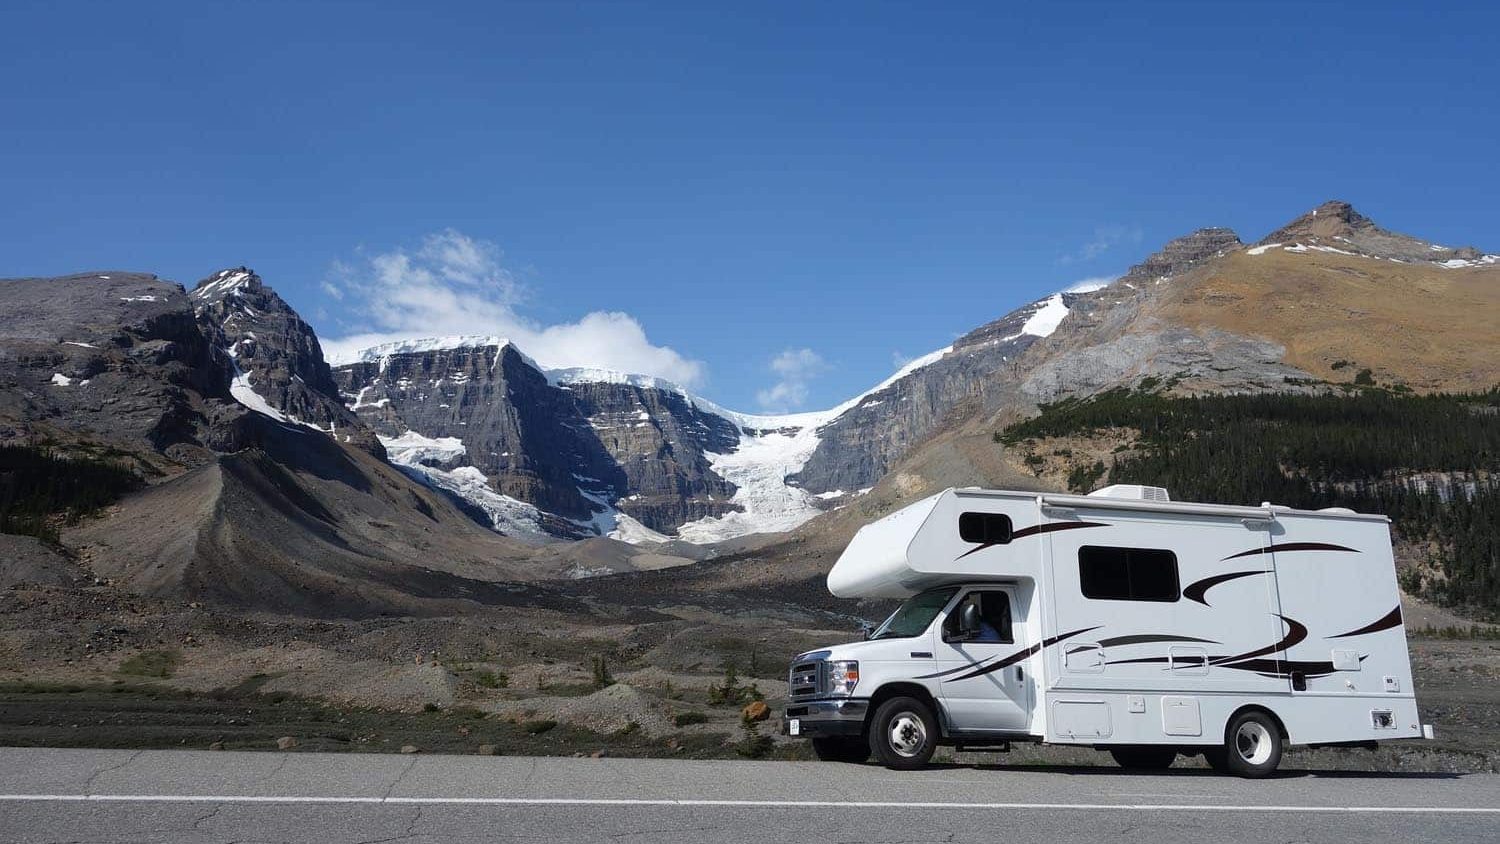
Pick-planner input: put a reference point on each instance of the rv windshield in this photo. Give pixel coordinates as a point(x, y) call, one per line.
point(914, 616)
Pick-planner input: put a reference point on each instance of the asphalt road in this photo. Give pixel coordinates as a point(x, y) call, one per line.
point(199, 796)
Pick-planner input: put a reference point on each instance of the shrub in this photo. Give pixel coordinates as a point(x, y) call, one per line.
point(685, 719)
point(753, 745)
point(600, 668)
point(491, 679)
point(538, 727)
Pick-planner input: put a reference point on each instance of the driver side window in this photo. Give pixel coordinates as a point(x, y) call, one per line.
point(993, 608)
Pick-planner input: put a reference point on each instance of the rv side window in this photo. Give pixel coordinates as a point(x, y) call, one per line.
point(984, 528)
point(1127, 574)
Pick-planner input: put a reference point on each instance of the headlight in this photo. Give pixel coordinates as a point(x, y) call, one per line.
point(843, 676)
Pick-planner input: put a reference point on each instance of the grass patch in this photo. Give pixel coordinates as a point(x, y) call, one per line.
point(159, 663)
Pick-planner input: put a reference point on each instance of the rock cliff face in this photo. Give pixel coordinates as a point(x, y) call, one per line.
point(659, 439)
point(525, 435)
point(116, 358)
point(1182, 254)
point(858, 447)
point(578, 447)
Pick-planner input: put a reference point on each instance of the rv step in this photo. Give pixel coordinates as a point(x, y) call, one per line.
point(1002, 747)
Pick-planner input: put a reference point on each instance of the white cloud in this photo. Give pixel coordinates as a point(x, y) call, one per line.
point(1105, 238)
point(794, 368)
point(1086, 285)
point(453, 284)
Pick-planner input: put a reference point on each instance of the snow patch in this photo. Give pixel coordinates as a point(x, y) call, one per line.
point(76, 343)
point(759, 469)
point(507, 515)
point(242, 392)
point(226, 282)
point(411, 452)
point(245, 394)
point(1459, 263)
point(629, 530)
point(61, 380)
point(1261, 250)
point(411, 448)
point(1047, 318)
point(147, 298)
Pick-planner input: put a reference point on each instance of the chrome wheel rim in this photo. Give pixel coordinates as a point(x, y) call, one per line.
point(908, 734)
point(1253, 742)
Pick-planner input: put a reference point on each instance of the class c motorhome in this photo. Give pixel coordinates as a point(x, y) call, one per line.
point(1119, 620)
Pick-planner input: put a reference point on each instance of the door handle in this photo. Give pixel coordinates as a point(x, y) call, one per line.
point(1020, 674)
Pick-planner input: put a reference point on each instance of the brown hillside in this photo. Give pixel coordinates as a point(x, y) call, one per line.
point(1427, 326)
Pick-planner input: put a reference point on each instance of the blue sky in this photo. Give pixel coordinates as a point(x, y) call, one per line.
point(741, 191)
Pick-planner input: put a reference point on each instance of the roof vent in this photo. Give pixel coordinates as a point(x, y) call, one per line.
point(1132, 491)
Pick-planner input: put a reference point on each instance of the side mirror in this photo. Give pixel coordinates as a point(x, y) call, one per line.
point(866, 628)
point(968, 621)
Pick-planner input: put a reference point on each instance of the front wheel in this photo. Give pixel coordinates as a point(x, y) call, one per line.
point(1144, 758)
point(1252, 747)
point(841, 749)
point(903, 733)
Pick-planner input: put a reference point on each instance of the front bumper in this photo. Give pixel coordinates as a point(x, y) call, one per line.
point(821, 718)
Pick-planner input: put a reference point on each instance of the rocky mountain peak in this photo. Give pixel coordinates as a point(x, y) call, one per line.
point(1332, 220)
point(1335, 226)
point(226, 283)
point(1184, 253)
point(273, 355)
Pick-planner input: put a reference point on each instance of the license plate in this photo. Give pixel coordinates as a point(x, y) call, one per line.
point(794, 727)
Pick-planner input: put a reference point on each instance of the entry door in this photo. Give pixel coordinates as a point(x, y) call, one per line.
point(985, 684)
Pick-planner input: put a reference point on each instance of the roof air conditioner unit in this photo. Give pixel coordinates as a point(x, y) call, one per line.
point(1132, 491)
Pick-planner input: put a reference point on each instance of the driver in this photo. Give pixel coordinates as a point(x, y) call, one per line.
point(994, 616)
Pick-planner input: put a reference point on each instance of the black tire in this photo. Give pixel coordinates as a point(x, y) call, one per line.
point(1144, 757)
point(1252, 746)
point(903, 734)
point(841, 749)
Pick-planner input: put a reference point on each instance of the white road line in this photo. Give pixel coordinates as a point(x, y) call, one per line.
point(777, 804)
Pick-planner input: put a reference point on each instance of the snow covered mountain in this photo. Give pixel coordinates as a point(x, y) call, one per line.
point(578, 452)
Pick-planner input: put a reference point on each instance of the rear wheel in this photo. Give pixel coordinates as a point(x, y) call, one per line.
point(1252, 746)
point(903, 733)
point(841, 749)
point(1146, 758)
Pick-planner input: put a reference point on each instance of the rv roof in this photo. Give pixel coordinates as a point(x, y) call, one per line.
point(1186, 508)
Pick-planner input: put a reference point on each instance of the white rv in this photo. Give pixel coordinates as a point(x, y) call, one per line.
point(1118, 620)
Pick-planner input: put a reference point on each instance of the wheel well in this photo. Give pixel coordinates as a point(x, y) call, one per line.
point(916, 690)
point(1275, 719)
